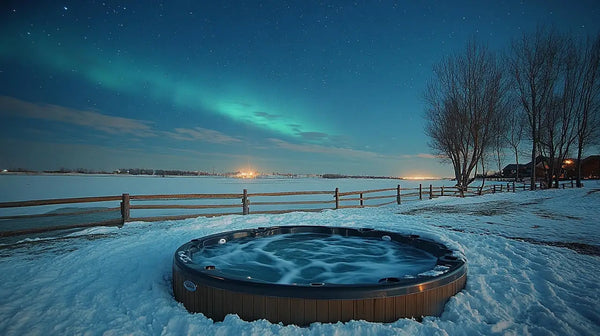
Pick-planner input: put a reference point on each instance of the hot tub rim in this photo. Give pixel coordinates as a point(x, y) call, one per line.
point(216, 279)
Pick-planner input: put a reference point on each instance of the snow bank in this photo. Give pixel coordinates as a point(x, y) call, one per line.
point(521, 280)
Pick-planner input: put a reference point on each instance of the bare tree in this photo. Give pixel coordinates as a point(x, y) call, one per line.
point(515, 128)
point(588, 116)
point(534, 67)
point(559, 128)
point(500, 139)
point(557, 136)
point(499, 144)
point(464, 102)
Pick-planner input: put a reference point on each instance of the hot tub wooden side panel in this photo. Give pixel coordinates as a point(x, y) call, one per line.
point(217, 303)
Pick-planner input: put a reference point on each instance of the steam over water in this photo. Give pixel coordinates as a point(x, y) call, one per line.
point(304, 258)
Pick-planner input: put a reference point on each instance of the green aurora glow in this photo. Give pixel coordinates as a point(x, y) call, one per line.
point(239, 103)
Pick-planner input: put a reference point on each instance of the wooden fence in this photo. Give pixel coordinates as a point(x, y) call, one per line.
point(120, 209)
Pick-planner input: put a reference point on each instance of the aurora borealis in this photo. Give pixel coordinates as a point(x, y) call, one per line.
point(301, 87)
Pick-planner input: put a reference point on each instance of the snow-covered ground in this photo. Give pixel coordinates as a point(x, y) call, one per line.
point(533, 258)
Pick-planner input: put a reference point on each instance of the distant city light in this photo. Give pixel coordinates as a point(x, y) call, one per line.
point(420, 178)
point(246, 174)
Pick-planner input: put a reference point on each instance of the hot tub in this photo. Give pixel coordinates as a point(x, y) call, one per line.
point(304, 274)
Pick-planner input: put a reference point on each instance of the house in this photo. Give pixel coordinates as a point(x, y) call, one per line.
point(565, 169)
point(568, 169)
point(541, 165)
point(511, 170)
point(590, 167)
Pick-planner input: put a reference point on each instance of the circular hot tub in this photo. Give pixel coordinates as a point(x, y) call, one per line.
point(304, 274)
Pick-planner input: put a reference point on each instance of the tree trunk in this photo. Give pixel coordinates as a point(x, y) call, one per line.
point(484, 174)
point(578, 164)
point(533, 155)
point(517, 160)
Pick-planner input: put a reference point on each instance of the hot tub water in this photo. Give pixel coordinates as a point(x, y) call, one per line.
point(304, 258)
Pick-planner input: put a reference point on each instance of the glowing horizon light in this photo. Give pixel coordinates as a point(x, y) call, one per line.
point(421, 178)
point(246, 174)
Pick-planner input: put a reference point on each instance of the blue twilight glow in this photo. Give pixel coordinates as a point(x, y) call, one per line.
point(297, 87)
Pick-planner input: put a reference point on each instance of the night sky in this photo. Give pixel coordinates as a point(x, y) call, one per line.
point(273, 86)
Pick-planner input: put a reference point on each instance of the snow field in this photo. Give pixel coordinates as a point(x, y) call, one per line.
point(110, 281)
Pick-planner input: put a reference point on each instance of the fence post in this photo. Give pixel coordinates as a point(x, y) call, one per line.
point(361, 199)
point(494, 188)
point(514, 187)
point(245, 203)
point(442, 191)
point(125, 208)
point(420, 191)
point(337, 198)
point(572, 183)
point(430, 191)
point(501, 186)
point(398, 194)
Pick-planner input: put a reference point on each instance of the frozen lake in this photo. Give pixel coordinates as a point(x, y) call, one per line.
point(37, 187)
point(28, 187)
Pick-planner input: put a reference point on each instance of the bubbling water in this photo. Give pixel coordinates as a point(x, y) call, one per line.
point(305, 258)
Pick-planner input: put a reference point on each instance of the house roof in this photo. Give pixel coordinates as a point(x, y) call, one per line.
point(514, 166)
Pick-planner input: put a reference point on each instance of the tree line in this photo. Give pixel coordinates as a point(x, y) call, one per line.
point(543, 90)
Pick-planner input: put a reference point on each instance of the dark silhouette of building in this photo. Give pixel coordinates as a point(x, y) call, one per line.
point(510, 170)
point(590, 167)
point(567, 169)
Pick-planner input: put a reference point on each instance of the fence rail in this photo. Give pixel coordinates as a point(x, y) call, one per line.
point(120, 213)
point(59, 201)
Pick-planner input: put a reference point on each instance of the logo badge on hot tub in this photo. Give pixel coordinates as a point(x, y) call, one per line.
point(189, 285)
